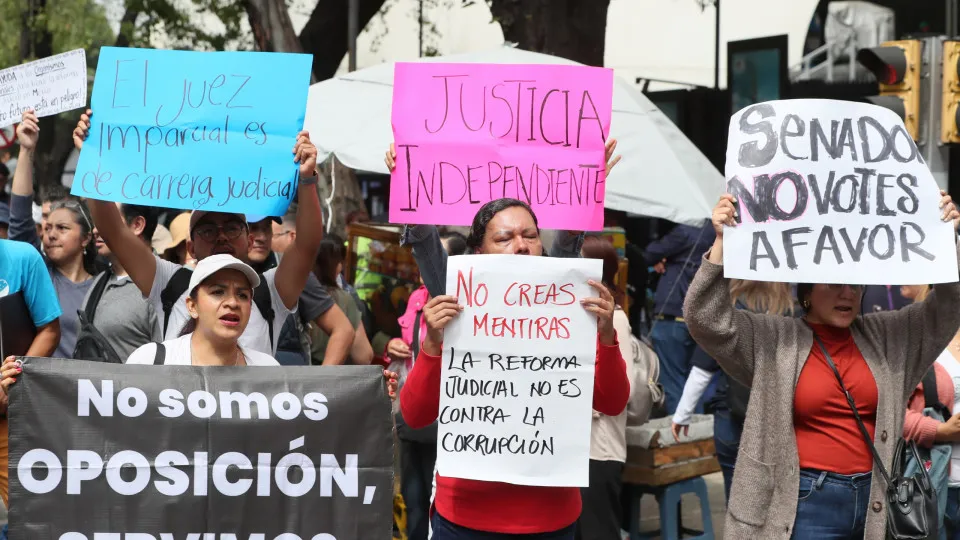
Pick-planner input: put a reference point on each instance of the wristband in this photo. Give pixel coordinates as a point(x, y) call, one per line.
point(309, 180)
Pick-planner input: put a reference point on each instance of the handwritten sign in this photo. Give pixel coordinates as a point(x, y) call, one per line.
point(516, 390)
point(467, 134)
point(195, 130)
point(832, 192)
point(48, 86)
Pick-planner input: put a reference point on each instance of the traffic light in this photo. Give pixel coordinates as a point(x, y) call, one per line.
point(950, 112)
point(896, 65)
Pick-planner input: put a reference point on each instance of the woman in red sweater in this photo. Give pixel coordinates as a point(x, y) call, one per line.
point(468, 509)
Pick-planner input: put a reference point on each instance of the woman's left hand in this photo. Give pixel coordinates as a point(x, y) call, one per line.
point(603, 308)
point(393, 380)
point(608, 149)
point(8, 373)
point(949, 210)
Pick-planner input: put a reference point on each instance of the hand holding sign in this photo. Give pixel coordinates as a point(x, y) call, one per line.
point(438, 313)
point(28, 132)
point(724, 214)
point(82, 129)
point(603, 308)
point(950, 212)
point(8, 373)
point(306, 155)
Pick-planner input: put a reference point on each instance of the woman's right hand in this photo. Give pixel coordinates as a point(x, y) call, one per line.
point(8, 373)
point(724, 213)
point(28, 132)
point(398, 350)
point(438, 313)
point(677, 429)
point(83, 128)
point(391, 158)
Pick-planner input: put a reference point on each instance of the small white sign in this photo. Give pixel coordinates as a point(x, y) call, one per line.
point(516, 391)
point(48, 86)
point(832, 192)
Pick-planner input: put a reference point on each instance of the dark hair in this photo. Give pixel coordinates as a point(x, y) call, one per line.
point(480, 221)
point(4, 171)
point(339, 241)
point(598, 248)
point(52, 193)
point(329, 256)
point(149, 215)
point(803, 291)
point(456, 243)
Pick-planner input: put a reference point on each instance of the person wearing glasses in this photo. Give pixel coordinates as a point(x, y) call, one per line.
point(804, 468)
point(67, 239)
point(217, 233)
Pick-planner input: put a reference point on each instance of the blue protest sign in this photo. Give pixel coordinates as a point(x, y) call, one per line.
point(195, 130)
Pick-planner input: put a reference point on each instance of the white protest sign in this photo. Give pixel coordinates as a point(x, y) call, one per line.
point(516, 390)
point(48, 86)
point(832, 192)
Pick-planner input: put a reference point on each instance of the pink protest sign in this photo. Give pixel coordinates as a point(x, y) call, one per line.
point(467, 134)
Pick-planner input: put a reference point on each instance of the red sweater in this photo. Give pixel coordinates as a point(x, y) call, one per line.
point(494, 506)
point(828, 437)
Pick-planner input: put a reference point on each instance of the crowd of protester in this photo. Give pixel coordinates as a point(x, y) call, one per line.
point(771, 362)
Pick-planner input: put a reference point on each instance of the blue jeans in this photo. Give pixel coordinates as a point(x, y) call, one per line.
point(674, 347)
point(951, 519)
point(726, 439)
point(444, 530)
point(831, 506)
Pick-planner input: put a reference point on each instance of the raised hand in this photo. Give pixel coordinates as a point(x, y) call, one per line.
point(603, 307)
point(82, 129)
point(28, 132)
point(305, 153)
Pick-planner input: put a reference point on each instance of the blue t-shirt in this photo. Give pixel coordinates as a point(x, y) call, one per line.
point(22, 269)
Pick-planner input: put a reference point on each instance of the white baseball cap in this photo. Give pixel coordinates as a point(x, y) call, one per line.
point(214, 263)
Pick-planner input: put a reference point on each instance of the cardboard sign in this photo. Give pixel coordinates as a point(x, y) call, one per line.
point(49, 86)
point(467, 134)
point(102, 450)
point(516, 390)
point(208, 131)
point(832, 192)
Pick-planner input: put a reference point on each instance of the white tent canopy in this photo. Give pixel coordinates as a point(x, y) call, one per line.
point(662, 174)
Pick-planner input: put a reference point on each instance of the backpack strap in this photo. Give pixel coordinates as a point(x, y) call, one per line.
point(175, 288)
point(930, 394)
point(101, 285)
point(264, 302)
point(160, 357)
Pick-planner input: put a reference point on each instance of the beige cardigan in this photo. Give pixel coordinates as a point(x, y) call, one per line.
point(608, 434)
point(769, 352)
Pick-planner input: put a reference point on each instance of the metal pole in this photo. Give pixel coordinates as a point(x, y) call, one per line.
point(353, 17)
point(420, 20)
point(716, 56)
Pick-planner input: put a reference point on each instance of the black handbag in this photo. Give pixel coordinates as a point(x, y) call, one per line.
point(911, 501)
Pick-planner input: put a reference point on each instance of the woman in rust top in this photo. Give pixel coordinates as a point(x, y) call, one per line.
point(803, 468)
point(468, 509)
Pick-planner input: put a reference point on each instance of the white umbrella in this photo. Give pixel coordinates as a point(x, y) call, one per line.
point(662, 173)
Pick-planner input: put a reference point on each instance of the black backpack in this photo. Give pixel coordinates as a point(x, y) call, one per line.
point(91, 345)
point(180, 281)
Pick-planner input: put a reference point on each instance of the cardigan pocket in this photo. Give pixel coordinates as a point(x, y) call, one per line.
point(752, 491)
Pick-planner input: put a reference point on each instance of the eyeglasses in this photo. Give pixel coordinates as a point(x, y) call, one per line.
point(76, 206)
point(209, 231)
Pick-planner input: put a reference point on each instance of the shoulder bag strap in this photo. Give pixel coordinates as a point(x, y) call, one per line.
point(853, 407)
point(416, 335)
point(161, 355)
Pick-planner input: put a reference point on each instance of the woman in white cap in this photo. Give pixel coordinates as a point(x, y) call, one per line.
point(219, 303)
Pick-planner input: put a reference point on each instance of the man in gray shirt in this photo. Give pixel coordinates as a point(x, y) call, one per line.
point(123, 316)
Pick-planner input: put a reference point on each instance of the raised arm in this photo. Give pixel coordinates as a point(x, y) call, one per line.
point(22, 226)
point(724, 333)
point(297, 262)
point(136, 257)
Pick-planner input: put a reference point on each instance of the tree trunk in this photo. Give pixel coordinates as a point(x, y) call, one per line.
point(573, 29)
point(325, 34)
point(271, 25)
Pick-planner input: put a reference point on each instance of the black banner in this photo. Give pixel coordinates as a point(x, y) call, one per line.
point(199, 453)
